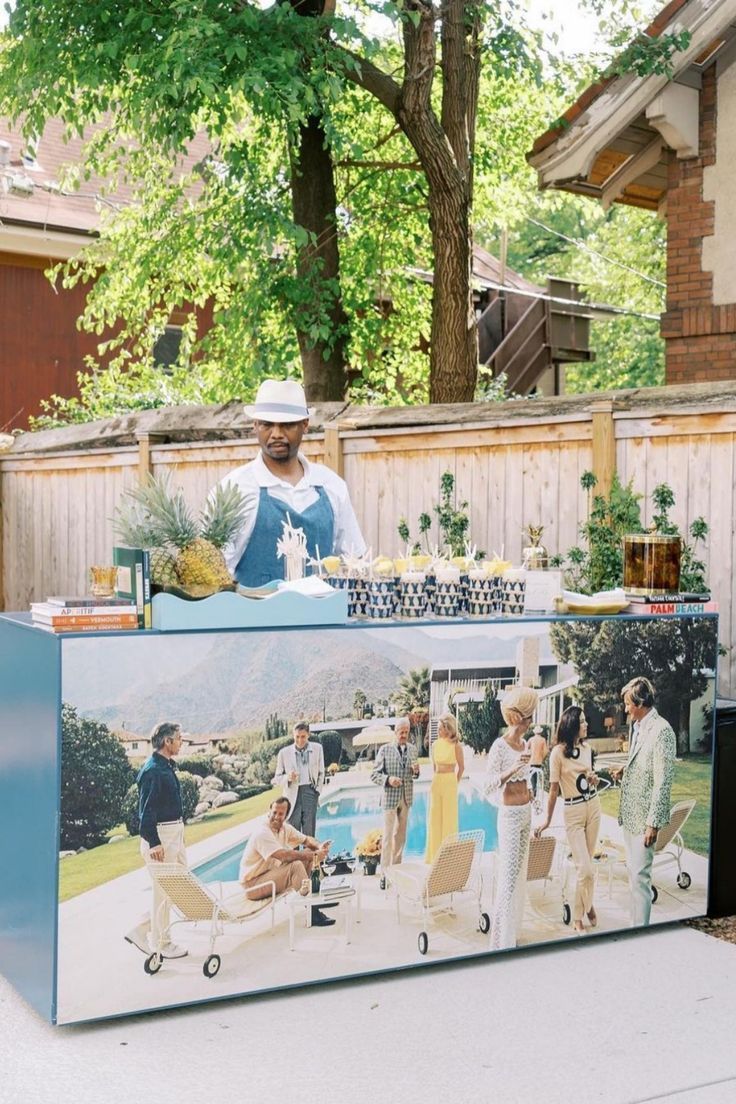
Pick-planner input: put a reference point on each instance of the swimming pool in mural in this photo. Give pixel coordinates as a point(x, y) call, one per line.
point(352, 813)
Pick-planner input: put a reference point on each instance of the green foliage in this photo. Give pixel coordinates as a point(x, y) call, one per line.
point(451, 516)
point(196, 110)
point(692, 568)
point(189, 793)
point(619, 258)
point(453, 522)
point(200, 108)
point(360, 700)
point(706, 743)
point(276, 728)
point(263, 760)
point(481, 722)
point(599, 565)
point(95, 776)
point(412, 692)
point(129, 811)
point(675, 653)
point(199, 764)
point(648, 55)
point(331, 742)
point(663, 500)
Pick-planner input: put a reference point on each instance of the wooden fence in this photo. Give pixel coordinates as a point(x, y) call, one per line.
point(515, 463)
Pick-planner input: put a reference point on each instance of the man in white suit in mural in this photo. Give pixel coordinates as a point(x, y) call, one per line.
point(646, 785)
point(300, 771)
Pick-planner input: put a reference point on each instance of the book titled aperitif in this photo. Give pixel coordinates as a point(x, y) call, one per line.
point(85, 617)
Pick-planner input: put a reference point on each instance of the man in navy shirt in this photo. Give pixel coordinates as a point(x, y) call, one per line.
point(162, 834)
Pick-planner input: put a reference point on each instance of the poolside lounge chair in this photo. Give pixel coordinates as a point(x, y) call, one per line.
point(195, 902)
point(432, 890)
point(542, 869)
point(670, 846)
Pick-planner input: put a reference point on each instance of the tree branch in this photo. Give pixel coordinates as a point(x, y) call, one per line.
point(369, 77)
point(348, 164)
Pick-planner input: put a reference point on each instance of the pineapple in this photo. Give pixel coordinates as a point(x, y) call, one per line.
point(133, 526)
point(166, 521)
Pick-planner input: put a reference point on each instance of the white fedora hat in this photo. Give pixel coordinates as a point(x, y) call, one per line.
point(280, 401)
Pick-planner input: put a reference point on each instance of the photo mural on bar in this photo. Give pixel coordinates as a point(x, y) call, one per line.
point(406, 864)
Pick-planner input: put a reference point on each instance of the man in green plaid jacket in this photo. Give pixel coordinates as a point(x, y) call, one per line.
point(395, 770)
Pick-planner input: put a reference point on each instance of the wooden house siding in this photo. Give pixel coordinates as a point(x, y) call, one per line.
point(41, 349)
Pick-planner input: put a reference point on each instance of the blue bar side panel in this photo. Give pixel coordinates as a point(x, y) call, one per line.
point(30, 686)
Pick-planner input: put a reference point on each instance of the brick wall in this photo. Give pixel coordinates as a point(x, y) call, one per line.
point(700, 337)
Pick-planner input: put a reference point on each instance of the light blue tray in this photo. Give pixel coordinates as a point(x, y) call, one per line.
point(232, 611)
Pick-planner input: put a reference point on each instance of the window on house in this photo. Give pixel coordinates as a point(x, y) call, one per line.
point(166, 349)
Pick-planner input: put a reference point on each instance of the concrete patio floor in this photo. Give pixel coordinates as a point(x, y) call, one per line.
point(620, 1017)
point(623, 1019)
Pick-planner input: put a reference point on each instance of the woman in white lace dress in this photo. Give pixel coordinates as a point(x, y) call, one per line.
point(508, 788)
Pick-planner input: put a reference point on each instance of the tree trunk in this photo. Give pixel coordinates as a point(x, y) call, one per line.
point(313, 202)
point(453, 354)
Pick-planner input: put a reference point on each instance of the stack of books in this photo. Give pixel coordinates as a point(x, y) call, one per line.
point(88, 613)
point(670, 603)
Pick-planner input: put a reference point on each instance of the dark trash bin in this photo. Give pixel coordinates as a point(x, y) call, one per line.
point(722, 881)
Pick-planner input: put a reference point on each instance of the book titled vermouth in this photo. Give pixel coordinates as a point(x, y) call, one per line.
point(122, 621)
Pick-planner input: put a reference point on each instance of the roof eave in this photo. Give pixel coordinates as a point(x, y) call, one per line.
point(570, 156)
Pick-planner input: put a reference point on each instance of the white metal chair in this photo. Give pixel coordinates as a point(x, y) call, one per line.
point(433, 889)
point(195, 902)
point(544, 867)
point(670, 846)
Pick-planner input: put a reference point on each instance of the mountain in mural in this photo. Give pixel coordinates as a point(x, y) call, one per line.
point(245, 677)
point(216, 682)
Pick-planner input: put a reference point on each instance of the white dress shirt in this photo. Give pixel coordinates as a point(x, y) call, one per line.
point(252, 476)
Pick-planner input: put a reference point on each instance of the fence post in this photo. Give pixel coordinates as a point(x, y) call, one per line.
point(604, 444)
point(333, 448)
point(145, 462)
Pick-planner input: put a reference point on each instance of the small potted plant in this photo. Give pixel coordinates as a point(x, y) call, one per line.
point(369, 850)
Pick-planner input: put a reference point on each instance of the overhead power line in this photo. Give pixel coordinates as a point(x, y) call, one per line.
point(594, 252)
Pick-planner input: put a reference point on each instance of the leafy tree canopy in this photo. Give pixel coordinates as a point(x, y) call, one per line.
point(237, 82)
point(95, 776)
point(676, 654)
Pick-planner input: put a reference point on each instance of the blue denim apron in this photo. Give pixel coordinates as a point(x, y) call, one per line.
point(259, 562)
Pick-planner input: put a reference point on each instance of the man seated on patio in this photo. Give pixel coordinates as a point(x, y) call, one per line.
point(271, 856)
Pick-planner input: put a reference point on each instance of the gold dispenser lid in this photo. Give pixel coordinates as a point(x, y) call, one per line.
point(652, 538)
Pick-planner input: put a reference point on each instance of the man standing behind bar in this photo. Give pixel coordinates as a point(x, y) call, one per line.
point(396, 768)
point(300, 771)
point(646, 784)
point(282, 481)
point(162, 834)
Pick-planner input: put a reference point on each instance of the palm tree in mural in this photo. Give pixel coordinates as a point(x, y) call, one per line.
point(413, 691)
point(360, 700)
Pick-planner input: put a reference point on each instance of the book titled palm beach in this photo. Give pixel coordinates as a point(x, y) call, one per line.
point(134, 580)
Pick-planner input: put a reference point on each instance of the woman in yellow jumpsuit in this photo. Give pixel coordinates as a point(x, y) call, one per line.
point(448, 764)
